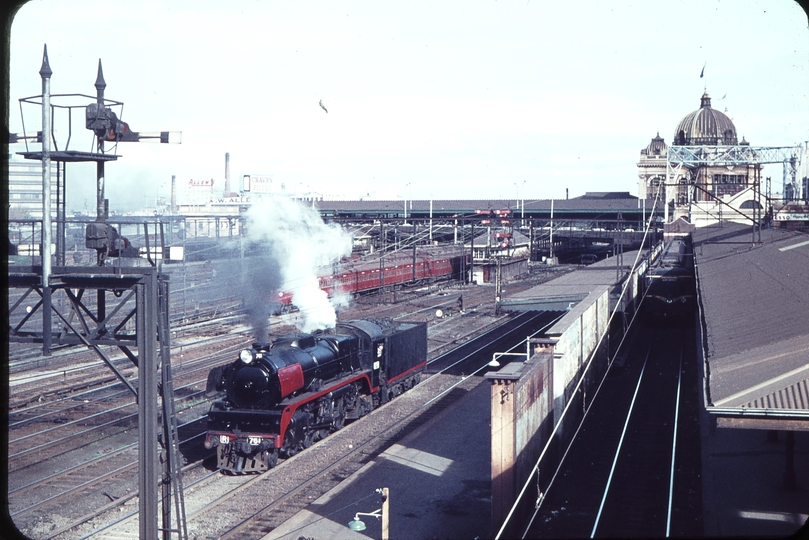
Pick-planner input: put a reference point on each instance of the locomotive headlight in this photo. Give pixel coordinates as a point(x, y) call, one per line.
point(247, 355)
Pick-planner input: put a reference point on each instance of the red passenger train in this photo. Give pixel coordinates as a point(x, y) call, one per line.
point(355, 278)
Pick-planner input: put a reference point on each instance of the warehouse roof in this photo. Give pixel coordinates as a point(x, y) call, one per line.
point(568, 290)
point(753, 302)
point(609, 201)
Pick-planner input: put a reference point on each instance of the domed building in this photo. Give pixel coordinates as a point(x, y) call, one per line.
point(705, 127)
point(708, 127)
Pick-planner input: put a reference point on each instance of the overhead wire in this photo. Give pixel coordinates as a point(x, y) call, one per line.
point(535, 468)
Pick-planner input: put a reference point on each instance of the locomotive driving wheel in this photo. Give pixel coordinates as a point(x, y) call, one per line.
point(309, 436)
point(339, 414)
point(298, 435)
point(271, 458)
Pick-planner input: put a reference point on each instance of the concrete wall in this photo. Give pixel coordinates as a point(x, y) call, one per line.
point(578, 334)
point(528, 398)
point(521, 403)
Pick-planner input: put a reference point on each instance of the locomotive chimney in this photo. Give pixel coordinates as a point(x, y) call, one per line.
point(262, 346)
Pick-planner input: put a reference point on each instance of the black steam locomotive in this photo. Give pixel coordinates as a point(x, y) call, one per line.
point(670, 283)
point(283, 396)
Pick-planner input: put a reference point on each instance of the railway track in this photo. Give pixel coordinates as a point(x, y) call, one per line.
point(83, 445)
point(648, 485)
point(466, 358)
point(108, 468)
point(70, 430)
point(87, 449)
point(415, 408)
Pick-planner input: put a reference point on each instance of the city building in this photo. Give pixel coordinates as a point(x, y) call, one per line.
point(25, 188)
point(703, 194)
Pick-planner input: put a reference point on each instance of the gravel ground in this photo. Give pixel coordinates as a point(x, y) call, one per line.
point(356, 444)
point(359, 441)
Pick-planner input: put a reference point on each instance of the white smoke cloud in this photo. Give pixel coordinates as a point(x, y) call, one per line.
point(294, 237)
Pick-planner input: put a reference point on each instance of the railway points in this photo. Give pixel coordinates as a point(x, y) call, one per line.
point(686, 502)
point(216, 336)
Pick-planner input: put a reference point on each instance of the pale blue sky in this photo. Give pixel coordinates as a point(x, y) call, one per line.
point(458, 99)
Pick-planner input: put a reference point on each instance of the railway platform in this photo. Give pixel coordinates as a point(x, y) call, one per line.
point(743, 486)
point(576, 288)
point(438, 477)
point(754, 360)
point(744, 470)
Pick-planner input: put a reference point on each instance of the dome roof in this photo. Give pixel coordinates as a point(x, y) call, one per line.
point(657, 147)
point(705, 126)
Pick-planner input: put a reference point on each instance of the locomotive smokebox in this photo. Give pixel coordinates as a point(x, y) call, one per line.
point(262, 346)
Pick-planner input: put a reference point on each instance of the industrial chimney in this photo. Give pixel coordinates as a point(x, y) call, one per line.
point(173, 194)
point(227, 174)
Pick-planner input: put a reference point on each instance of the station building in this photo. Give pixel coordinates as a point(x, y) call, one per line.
point(699, 194)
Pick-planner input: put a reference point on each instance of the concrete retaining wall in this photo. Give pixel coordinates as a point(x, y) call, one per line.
point(528, 398)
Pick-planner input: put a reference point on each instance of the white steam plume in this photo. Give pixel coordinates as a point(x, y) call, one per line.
point(297, 241)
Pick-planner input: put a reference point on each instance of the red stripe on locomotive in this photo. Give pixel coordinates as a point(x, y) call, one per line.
point(286, 416)
point(408, 372)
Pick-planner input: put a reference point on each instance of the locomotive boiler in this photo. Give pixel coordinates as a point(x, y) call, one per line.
point(280, 397)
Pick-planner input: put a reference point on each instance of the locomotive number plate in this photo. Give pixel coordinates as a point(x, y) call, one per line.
point(254, 441)
point(224, 439)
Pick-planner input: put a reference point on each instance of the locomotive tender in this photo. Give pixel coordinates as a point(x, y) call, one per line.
point(670, 283)
point(283, 396)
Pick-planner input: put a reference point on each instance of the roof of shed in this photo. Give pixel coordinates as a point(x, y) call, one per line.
point(754, 298)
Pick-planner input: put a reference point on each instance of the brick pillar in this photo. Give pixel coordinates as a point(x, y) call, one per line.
point(503, 445)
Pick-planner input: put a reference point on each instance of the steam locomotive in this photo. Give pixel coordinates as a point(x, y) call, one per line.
point(283, 396)
point(670, 283)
